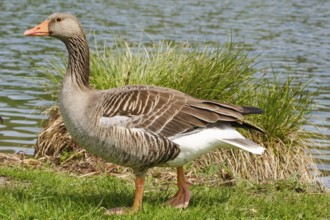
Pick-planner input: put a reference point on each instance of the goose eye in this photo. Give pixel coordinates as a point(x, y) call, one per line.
point(59, 19)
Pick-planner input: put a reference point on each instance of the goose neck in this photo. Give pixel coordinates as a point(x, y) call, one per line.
point(78, 62)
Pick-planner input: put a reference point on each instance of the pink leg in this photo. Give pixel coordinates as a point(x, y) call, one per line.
point(182, 197)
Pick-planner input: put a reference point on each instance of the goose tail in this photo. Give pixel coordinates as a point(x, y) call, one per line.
point(245, 144)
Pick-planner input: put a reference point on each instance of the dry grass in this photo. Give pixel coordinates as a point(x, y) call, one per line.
point(54, 138)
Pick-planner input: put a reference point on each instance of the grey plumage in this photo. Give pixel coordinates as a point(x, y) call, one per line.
point(134, 125)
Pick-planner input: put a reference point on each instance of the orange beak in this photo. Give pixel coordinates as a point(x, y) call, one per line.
point(39, 30)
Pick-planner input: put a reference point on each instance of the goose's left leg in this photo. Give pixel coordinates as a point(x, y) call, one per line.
point(139, 189)
point(182, 197)
point(137, 205)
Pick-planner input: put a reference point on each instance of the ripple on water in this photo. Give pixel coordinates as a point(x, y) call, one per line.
point(24, 122)
point(17, 134)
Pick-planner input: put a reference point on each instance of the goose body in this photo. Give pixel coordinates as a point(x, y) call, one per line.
point(141, 133)
point(140, 126)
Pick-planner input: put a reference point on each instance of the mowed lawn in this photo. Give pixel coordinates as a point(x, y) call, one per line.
point(27, 193)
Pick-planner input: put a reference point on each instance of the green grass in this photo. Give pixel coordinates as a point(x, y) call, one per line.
point(225, 73)
point(27, 193)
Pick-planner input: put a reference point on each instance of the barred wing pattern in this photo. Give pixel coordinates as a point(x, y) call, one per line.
point(165, 111)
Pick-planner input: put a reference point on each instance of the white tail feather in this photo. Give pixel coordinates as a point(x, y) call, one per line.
point(246, 144)
point(199, 142)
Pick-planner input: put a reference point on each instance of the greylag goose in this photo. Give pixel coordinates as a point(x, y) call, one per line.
point(140, 126)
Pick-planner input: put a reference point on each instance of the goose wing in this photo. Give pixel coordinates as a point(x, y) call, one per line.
point(165, 111)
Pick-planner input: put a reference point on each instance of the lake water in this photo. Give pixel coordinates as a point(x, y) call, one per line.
point(284, 34)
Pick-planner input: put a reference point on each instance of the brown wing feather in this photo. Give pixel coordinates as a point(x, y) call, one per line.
point(168, 112)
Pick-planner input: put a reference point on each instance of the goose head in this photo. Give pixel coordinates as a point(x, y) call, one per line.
point(67, 28)
point(59, 25)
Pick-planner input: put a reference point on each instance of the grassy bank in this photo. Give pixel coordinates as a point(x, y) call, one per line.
point(43, 193)
point(224, 74)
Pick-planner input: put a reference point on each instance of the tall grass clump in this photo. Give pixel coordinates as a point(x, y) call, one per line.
point(224, 74)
